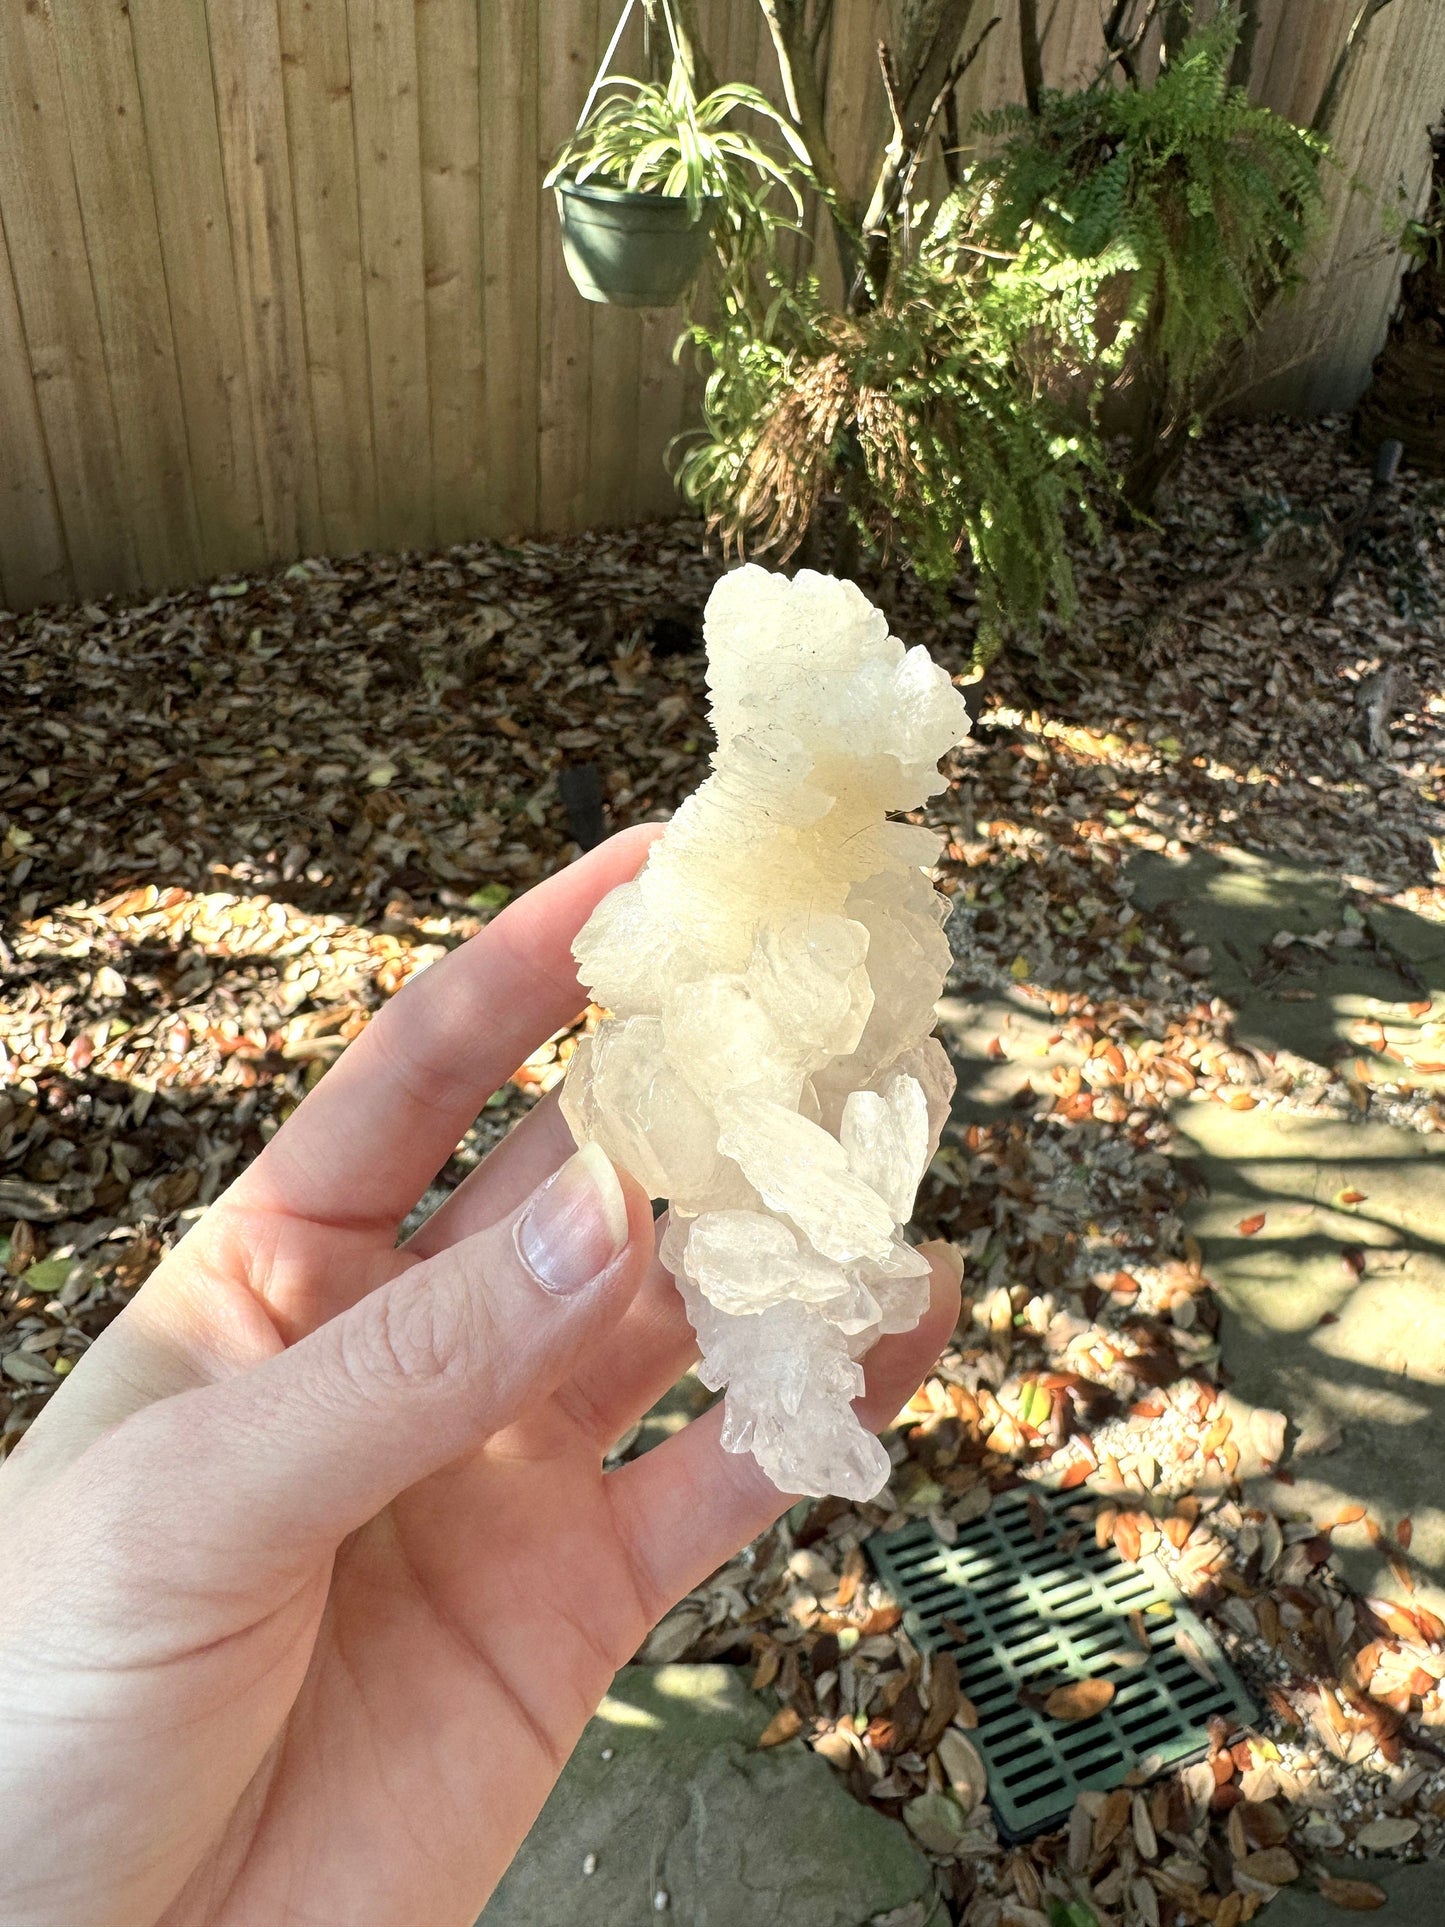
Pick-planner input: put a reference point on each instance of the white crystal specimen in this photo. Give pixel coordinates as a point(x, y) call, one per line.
point(767, 1064)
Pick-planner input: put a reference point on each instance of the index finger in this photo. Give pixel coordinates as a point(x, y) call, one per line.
point(364, 1145)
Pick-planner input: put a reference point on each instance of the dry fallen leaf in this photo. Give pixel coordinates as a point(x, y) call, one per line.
point(1354, 1896)
point(1247, 1227)
point(963, 1768)
point(784, 1725)
point(1276, 1866)
point(1387, 1833)
point(1081, 1699)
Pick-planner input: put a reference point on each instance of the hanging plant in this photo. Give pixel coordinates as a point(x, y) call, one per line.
point(651, 171)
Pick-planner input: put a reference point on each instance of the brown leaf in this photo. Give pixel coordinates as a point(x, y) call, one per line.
point(1353, 1896)
point(1081, 1699)
point(943, 1701)
point(769, 1660)
point(1247, 1227)
point(1276, 1866)
point(785, 1724)
point(1113, 1817)
point(836, 1748)
point(963, 1768)
point(1405, 1532)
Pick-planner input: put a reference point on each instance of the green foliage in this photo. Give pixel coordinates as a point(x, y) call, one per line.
point(1153, 223)
point(1123, 231)
point(651, 138)
point(918, 411)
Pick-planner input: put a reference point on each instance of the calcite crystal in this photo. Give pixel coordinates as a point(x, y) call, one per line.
point(767, 1064)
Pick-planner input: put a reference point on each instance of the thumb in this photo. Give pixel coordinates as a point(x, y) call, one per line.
point(308, 1446)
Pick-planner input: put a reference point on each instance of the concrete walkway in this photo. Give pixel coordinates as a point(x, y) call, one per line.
point(668, 1810)
point(1335, 1305)
point(1334, 1308)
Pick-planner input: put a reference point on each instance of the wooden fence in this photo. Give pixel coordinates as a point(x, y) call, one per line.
point(277, 277)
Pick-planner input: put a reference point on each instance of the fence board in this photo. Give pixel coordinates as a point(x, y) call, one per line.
point(568, 56)
point(33, 564)
point(256, 163)
point(388, 170)
point(449, 100)
point(117, 204)
point(183, 142)
point(316, 79)
point(511, 213)
point(278, 275)
point(616, 358)
point(57, 304)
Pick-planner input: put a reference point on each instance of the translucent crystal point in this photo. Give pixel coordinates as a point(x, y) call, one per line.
point(767, 1064)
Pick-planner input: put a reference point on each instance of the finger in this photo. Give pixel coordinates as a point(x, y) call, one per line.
point(651, 1346)
point(367, 1141)
point(687, 1506)
point(639, 1360)
point(511, 1171)
point(292, 1456)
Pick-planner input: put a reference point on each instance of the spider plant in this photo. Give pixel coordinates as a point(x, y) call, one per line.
point(656, 139)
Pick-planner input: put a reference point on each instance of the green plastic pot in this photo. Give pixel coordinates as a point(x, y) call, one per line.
point(633, 250)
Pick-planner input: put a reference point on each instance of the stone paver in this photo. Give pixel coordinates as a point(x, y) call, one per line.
point(686, 1806)
point(1302, 997)
point(1416, 1897)
point(1358, 1358)
point(1334, 1310)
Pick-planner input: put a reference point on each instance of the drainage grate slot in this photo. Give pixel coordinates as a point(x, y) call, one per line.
point(1042, 1603)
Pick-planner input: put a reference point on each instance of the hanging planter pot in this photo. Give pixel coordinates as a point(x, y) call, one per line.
point(635, 250)
point(644, 178)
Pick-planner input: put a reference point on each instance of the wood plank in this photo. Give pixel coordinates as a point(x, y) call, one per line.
point(46, 240)
point(178, 105)
point(250, 104)
point(316, 78)
point(449, 79)
point(117, 204)
point(511, 206)
point(33, 564)
point(612, 495)
point(388, 170)
point(567, 35)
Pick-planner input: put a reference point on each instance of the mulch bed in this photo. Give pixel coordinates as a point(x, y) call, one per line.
point(234, 821)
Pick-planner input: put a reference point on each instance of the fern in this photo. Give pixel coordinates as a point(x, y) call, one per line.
point(1205, 200)
point(920, 412)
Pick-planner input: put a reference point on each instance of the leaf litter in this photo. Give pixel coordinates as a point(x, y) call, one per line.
point(234, 821)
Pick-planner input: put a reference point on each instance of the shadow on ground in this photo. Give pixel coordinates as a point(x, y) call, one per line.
point(1323, 1229)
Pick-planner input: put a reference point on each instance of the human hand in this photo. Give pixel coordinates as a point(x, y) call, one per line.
point(312, 1574)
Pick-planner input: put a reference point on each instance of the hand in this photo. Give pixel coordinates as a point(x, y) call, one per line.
point(311, 1572)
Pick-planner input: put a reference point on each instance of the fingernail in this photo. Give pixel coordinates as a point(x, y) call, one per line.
point(948, 1255)
point(576, 1224)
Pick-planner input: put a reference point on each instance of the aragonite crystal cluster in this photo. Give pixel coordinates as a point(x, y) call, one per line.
point(767, 1065)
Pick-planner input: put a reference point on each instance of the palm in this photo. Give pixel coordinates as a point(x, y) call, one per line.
point(439, 1685)
point(362, 1578)
point(407, 1638)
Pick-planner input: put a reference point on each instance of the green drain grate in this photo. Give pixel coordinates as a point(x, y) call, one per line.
point(1042, 1608)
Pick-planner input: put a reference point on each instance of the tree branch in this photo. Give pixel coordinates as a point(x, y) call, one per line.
point(1344, 66)
point(787, 23)
point(1124, 48)
point(1031, 54)
point(700, 70)
point(917, 81)
point(1241, 65)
